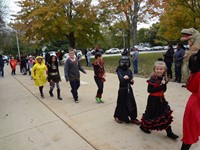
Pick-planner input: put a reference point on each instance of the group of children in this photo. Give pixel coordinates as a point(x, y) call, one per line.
point(158, 114)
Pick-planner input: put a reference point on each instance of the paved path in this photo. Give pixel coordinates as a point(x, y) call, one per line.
point(28, 122)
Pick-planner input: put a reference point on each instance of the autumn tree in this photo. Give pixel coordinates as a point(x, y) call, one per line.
point(43, 21)
point(176, 15)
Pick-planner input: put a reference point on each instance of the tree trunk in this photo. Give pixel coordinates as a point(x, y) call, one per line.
point(72, 40)
point(134, 22)
point(128, 39)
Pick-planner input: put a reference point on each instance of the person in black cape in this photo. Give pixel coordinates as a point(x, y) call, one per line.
point(126, 109)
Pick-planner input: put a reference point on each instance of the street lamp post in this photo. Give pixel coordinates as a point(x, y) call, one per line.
point(18, 45)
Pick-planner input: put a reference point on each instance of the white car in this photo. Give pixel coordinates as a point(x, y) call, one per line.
point(113, 51)
point(52, 53)
point(78, 54)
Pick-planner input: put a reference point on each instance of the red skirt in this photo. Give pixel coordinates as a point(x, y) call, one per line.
point(191, 120)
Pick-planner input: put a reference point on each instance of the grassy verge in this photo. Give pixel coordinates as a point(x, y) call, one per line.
point(145, 64)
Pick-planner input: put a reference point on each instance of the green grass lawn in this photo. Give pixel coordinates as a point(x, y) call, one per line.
point(145, 64)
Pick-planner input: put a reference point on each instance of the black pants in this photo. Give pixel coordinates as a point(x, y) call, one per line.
point(75, 84)
point(41, 90)
point(185, 146)
point(13, 72)
point(100, 86)
point(169, 70)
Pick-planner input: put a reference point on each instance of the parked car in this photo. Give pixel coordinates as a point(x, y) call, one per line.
point(52, 53)
point(100, 50)
point(79, 54)
point(5, 58)
point(113, 51)
point(156, 48)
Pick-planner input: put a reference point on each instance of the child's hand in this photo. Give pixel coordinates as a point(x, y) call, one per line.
point(126, 77)
point(163, 82)
point(132, 82)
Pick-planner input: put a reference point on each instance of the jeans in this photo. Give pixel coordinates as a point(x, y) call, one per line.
point(89, 62)
point(100, 87)
point(135, 66)
point(2, 71)
point(178, 72)
point(75, 84)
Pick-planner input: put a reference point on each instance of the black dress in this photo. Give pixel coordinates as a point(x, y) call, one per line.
point(126, 109)
point(158, 113)
point(53, 73)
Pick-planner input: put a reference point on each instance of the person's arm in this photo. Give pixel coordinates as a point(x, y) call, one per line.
point(33, 72)
point(66, 69)
point(80, 68)
point(121, 77)
point(152, 89)
point(182, 56)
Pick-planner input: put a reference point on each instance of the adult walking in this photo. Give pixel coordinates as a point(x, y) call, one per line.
point(1, 66)
point(168, 59)
point(135, 55)
point(88, 58)
point(178, 59)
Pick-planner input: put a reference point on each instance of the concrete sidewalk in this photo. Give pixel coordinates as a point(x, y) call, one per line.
point(31, 123)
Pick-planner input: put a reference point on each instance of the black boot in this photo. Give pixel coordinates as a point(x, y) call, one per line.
point(145, 130)
point(58, 93)
point(170, 134)
point(179, 80)
point(41, 91)
point(51, 92)
point(185, 146)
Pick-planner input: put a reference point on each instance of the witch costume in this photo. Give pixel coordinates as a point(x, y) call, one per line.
point(126, 109)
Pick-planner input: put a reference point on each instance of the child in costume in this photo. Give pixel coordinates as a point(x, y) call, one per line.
point(38, 74)
point(13, 64)
point(126, 109)
point(54, 76)
point(72, 74)
point(191, 120)
point(99, 75)
point(157, 115)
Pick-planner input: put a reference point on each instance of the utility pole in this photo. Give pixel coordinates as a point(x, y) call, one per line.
point(18, 45)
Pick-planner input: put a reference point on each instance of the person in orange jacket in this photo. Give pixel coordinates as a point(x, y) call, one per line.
point(13, 64)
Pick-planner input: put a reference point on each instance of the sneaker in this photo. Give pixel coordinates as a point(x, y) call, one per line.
point(101, 101)
point(76, 101)
point(98, 100)
point(145, 130)
point(136, 121)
